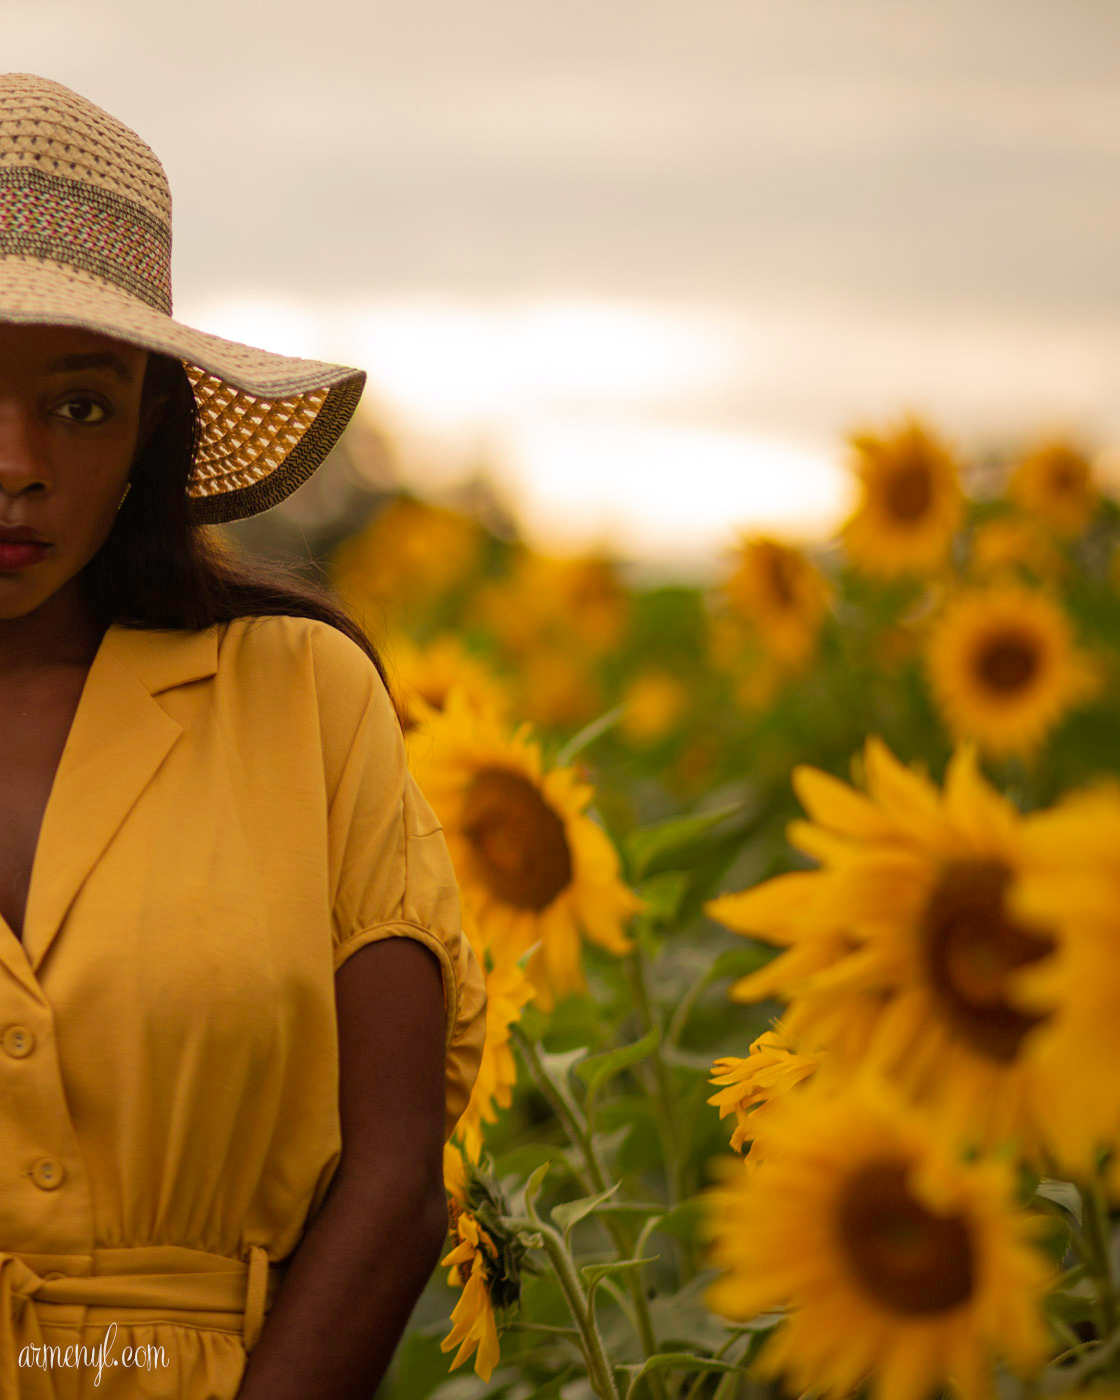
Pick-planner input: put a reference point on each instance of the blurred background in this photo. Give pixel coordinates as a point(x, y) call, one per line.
point(634, 267)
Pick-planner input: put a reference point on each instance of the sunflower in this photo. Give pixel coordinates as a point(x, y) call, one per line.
point(1073, 884)
point(910, 502)
point(531, 864)
point(793, 911)
point(507, 990)
point(1056, 484)
point(917, 881)
point(1003, 667)
point(781, 594)
point(576, 600)
point(652, 706)
point(474, 1327)
point(752, 1085)
point(428, 672)
point(900, 1265)
point(424, 675)
point(411, 553)
point(556, 687)
point(454, 1173)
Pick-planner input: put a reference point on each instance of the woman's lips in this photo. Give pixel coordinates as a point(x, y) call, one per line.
point(21, 555)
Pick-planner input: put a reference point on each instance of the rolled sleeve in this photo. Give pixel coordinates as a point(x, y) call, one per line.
point(392, 876)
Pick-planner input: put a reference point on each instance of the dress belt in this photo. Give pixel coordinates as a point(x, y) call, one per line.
point(144, 1278)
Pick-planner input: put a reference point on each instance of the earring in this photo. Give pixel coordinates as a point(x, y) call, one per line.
point(127, 489)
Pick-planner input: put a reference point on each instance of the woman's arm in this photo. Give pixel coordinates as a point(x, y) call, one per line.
point(358, 1271)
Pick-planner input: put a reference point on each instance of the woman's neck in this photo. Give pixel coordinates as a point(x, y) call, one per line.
point(61, 632)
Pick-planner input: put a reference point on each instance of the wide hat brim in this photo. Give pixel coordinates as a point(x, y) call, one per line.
point(267, 421)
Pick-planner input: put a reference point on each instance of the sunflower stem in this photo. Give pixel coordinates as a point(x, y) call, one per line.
point(679, 1018)
point(571, 1120)
point(594, 1180)
point(599, 1371)
point(663, 1105)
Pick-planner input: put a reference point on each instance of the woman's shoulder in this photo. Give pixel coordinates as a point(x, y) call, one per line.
point(294, 653)
point(292, 640)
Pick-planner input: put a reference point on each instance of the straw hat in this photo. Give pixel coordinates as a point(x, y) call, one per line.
point(85, 240)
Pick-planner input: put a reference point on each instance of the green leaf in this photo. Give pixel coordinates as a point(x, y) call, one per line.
point(557, 1067)
point(599, 1068)
point(551, 1389)
point(532, 1189)
point(607, 1142)
point(647, 844)
point(683, 1319)
point(738, 962)
point(570, 1213)
point(559, 1064)
point(590, 732)
point(1062, 1193)
point(663, 895)
point(685, 1220)
point(675, 1361)
point(1073, 1304)
point(764, 1322)
point(596, 1273)
point(512, 1167)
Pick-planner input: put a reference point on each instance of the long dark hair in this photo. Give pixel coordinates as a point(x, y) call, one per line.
point(160, 569)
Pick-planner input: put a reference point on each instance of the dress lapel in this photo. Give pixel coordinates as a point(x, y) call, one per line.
point(117, 742)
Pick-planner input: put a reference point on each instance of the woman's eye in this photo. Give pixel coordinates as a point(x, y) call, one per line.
point(80, 409)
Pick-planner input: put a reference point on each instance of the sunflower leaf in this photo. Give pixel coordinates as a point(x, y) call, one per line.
point(606, 1142)
point(674, 1361)
point(663, 895)
point(1072, 1305)
point(588, 734)
point(1062, 1193)
point(646, 845)
point(558, 1064)
point(685, 1220)
point(738, 962)
point(551, 1389)
point(569, 1213)
point(532, 1190)
point(599, 1068)
point(594, 1274)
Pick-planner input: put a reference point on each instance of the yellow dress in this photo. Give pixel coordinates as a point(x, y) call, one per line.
point(231, 818)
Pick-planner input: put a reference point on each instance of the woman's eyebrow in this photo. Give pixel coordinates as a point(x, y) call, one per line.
point(95, 359)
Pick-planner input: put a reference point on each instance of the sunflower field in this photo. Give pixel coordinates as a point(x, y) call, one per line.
point(798, 899)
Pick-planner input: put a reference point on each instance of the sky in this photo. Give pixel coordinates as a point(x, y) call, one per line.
point(651, 259)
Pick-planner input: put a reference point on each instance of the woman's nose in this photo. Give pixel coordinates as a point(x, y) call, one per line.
point(22, 462)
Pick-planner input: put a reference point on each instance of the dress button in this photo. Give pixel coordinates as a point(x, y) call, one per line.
point(47, 1173)
point(18, 1041)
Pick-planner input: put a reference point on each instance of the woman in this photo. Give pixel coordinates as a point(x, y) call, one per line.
point(238, 1017)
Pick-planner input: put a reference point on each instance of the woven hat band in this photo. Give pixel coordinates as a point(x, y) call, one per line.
point(87, 227)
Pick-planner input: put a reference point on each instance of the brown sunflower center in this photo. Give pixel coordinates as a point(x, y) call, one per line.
point(908, 1259)
point(1007, 661)
point(1067, 476)
point(782, 574)
point(971, 947)
point(518, 840)
point(908, 491)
